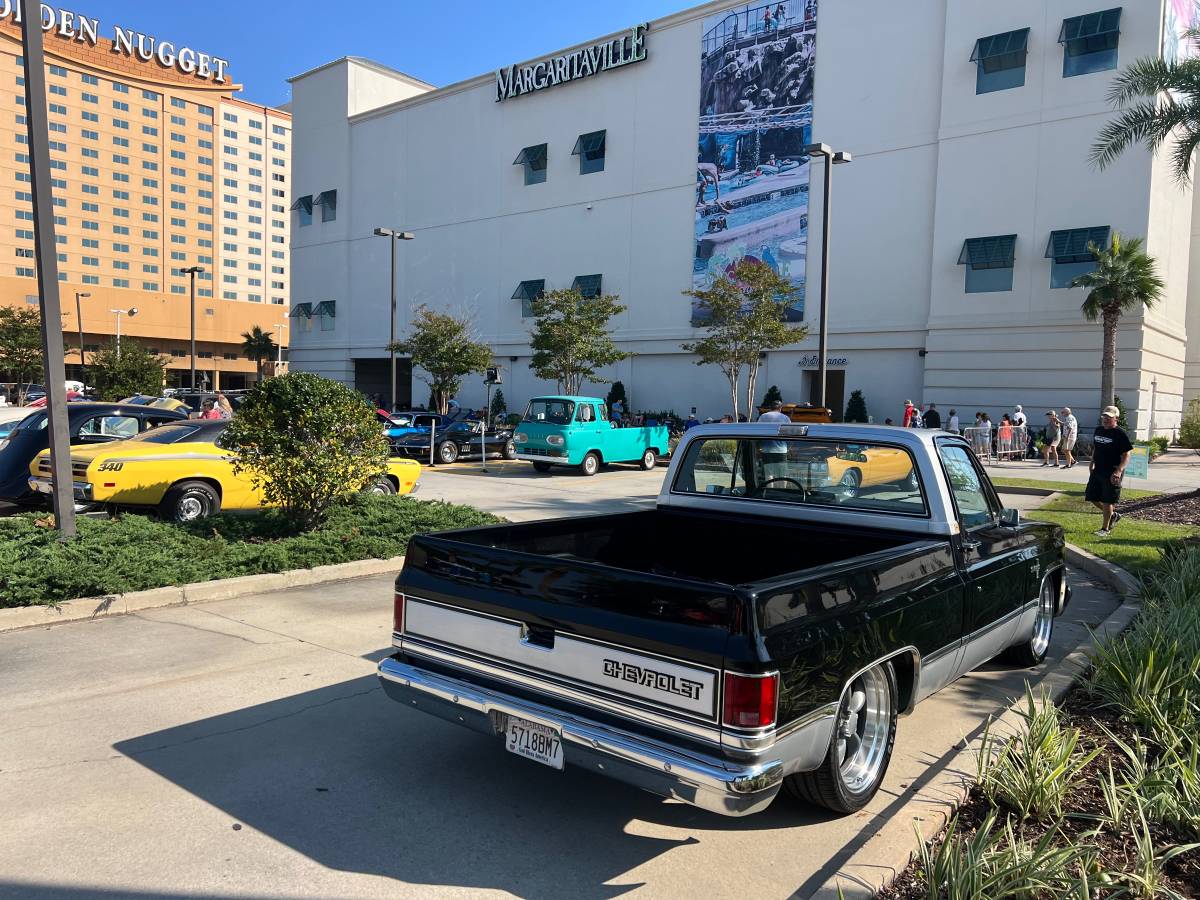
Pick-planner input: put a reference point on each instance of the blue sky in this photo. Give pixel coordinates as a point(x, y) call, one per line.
point(266, 41)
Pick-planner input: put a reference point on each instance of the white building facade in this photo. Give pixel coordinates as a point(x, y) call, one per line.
point(969, 201)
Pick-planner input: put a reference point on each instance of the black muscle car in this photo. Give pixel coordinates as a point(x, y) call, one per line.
point(759, 630)
point(461, 439)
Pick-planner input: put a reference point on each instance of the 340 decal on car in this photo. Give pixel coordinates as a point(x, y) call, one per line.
point(110, 467)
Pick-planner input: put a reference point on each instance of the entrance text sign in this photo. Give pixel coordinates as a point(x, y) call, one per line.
point(73, 26)
point(517, 80)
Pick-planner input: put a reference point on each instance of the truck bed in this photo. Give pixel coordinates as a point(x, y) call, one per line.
point(687, 545)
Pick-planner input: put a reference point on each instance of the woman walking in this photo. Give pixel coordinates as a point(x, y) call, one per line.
point(1053, 435)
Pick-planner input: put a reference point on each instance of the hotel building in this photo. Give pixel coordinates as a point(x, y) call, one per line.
point(155, 169)
point(648, 160)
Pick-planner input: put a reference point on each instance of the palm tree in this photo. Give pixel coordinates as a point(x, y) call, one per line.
point(1168, 107)
point(259, 346)
point(1124, 281)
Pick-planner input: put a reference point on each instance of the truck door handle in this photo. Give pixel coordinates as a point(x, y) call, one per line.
point(969, 546)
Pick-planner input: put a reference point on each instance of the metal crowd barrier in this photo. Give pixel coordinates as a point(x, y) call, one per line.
point(1000, 443)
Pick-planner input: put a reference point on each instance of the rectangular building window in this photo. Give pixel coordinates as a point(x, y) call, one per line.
point(1069, 253)
point(59, 71)
point(590, 150)
point(58, 90)
point(327, 200)
point(1000, 61)
point(989, 262)
point(304, 207)
point(1090, 42)
point(533, 160)
point(89, 79)
point(587, 285)
point(527, 292)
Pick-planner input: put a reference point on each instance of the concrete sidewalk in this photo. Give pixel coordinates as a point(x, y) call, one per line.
point(1176, 471)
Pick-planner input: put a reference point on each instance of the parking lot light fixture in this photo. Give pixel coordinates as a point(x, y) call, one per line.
point(131, 312)
point(832, 158)
point(393, 235)
point(192, 272)
point(79, 322)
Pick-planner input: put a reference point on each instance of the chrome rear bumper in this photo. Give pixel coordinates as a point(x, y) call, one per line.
point(82, 490)
point(717, 785)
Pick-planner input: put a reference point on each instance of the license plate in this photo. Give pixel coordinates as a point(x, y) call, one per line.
point(540, 743)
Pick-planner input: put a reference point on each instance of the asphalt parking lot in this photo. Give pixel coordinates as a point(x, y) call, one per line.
point(244, 749)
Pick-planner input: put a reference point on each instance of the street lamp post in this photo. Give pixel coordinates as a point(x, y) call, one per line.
point(393, 235)
point(836, 157)
point(279, 346)
point(192, 272)
point(131, 312)
point(79, 322)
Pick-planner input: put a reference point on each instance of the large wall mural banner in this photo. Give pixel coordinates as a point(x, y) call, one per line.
point(1179, 17)
point(756, 94)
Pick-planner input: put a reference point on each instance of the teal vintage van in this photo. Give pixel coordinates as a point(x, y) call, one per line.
point(575, 431)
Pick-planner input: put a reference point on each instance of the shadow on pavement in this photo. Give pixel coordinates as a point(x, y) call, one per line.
point(358, 783)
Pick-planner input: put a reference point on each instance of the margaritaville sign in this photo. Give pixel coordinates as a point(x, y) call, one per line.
point(73, 26)
point(517, 80)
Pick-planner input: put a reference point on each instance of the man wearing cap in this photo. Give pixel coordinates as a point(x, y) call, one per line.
point(1070, 431)
point(1110, 455)
point(774, 453)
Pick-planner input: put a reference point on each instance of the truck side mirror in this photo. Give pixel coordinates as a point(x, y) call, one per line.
point(1010, 518)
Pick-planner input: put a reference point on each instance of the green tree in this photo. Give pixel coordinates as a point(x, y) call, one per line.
point(571, 338)
point(135, 371)
point(21, 346)
point(856, 409)
point(615, 394)
point(259, 346)
point(1189, 428)
point(444, 347)
point(499, 405)
point(1122, 414)
point(305, 441)
point(1125, 281)
point(773, 393)
point(744, 315)
point(1167, 108)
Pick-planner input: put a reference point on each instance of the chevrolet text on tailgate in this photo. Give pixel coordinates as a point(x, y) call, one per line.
point(795, 588)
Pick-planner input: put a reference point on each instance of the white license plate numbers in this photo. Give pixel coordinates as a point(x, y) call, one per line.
point(533, 741)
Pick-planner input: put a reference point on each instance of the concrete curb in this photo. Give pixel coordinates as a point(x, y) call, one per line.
point(1027, 491)
point(182, 595)
point(928, 810)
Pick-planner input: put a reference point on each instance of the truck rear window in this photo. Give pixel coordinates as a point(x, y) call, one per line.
point(552, 412)
point(865, 476)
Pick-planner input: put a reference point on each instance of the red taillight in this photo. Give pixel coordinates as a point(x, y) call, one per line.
point(398, 613)
point(750, 700)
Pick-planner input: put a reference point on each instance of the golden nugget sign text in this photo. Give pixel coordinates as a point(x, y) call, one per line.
point(125, 41)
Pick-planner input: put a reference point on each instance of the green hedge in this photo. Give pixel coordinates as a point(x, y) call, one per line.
point(136, 552)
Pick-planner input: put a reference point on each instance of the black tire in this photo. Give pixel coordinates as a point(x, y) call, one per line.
point(509, 451)
point(591, 463)
point(649, 459)
point(849, 485)
point(827, 785)
point(382, 486)
point(1030, 653)
point(447, 452)
point(190, 501)
point(542, 467)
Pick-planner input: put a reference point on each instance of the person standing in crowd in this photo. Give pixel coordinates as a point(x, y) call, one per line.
point(618, 411)
point(774, 453)
point(1053, 436)
point(917, 421)
point(208, 410)
point(1070, 433)
point(932, 418)
point(691, 421)
point(1019, 418)
point(1004, 437)
point(224, 407)
point(952, 422)
point(906, 422)
point(1110, 455)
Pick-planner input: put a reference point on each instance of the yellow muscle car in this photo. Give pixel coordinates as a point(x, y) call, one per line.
point(182, 469)
point(852, 468)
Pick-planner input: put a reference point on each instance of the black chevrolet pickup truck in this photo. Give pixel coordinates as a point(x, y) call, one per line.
point(794, 590)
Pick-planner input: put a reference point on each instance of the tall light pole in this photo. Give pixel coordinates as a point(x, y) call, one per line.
point(131, 312)
point(37, 131)
point(393, 235)
point(192, 272)
point(279, 346)
point(79, 321)
point(836, 157)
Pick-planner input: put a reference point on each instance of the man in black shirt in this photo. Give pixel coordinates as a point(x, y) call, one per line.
point(1110, 455)
point(933, 418)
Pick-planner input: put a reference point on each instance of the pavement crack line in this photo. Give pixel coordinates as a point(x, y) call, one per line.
point(62, 765)
point(290, 637)
point(236, 637)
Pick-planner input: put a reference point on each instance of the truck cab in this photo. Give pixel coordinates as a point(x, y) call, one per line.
point(576, 431)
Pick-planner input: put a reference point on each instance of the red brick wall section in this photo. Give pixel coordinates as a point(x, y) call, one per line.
point(102, 58)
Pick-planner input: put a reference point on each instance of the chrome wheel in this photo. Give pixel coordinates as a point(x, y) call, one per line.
point(864, 724)
point(1043, 625)
point(189, 509)
point(848, 486)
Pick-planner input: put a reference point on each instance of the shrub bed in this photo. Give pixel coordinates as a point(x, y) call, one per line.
point(136, 552)
point(1098, 798)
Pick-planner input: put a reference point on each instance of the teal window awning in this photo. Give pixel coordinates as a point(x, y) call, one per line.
point(326, 198)
point(534, 157)
point(301, 311)
point(588, 285)
point(995, 252)
point(1091, 33)
point(1071, 245)
point(326, 308)
point(305, 203)
point(530, 290)
point(997, 52)
point(590, 145)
